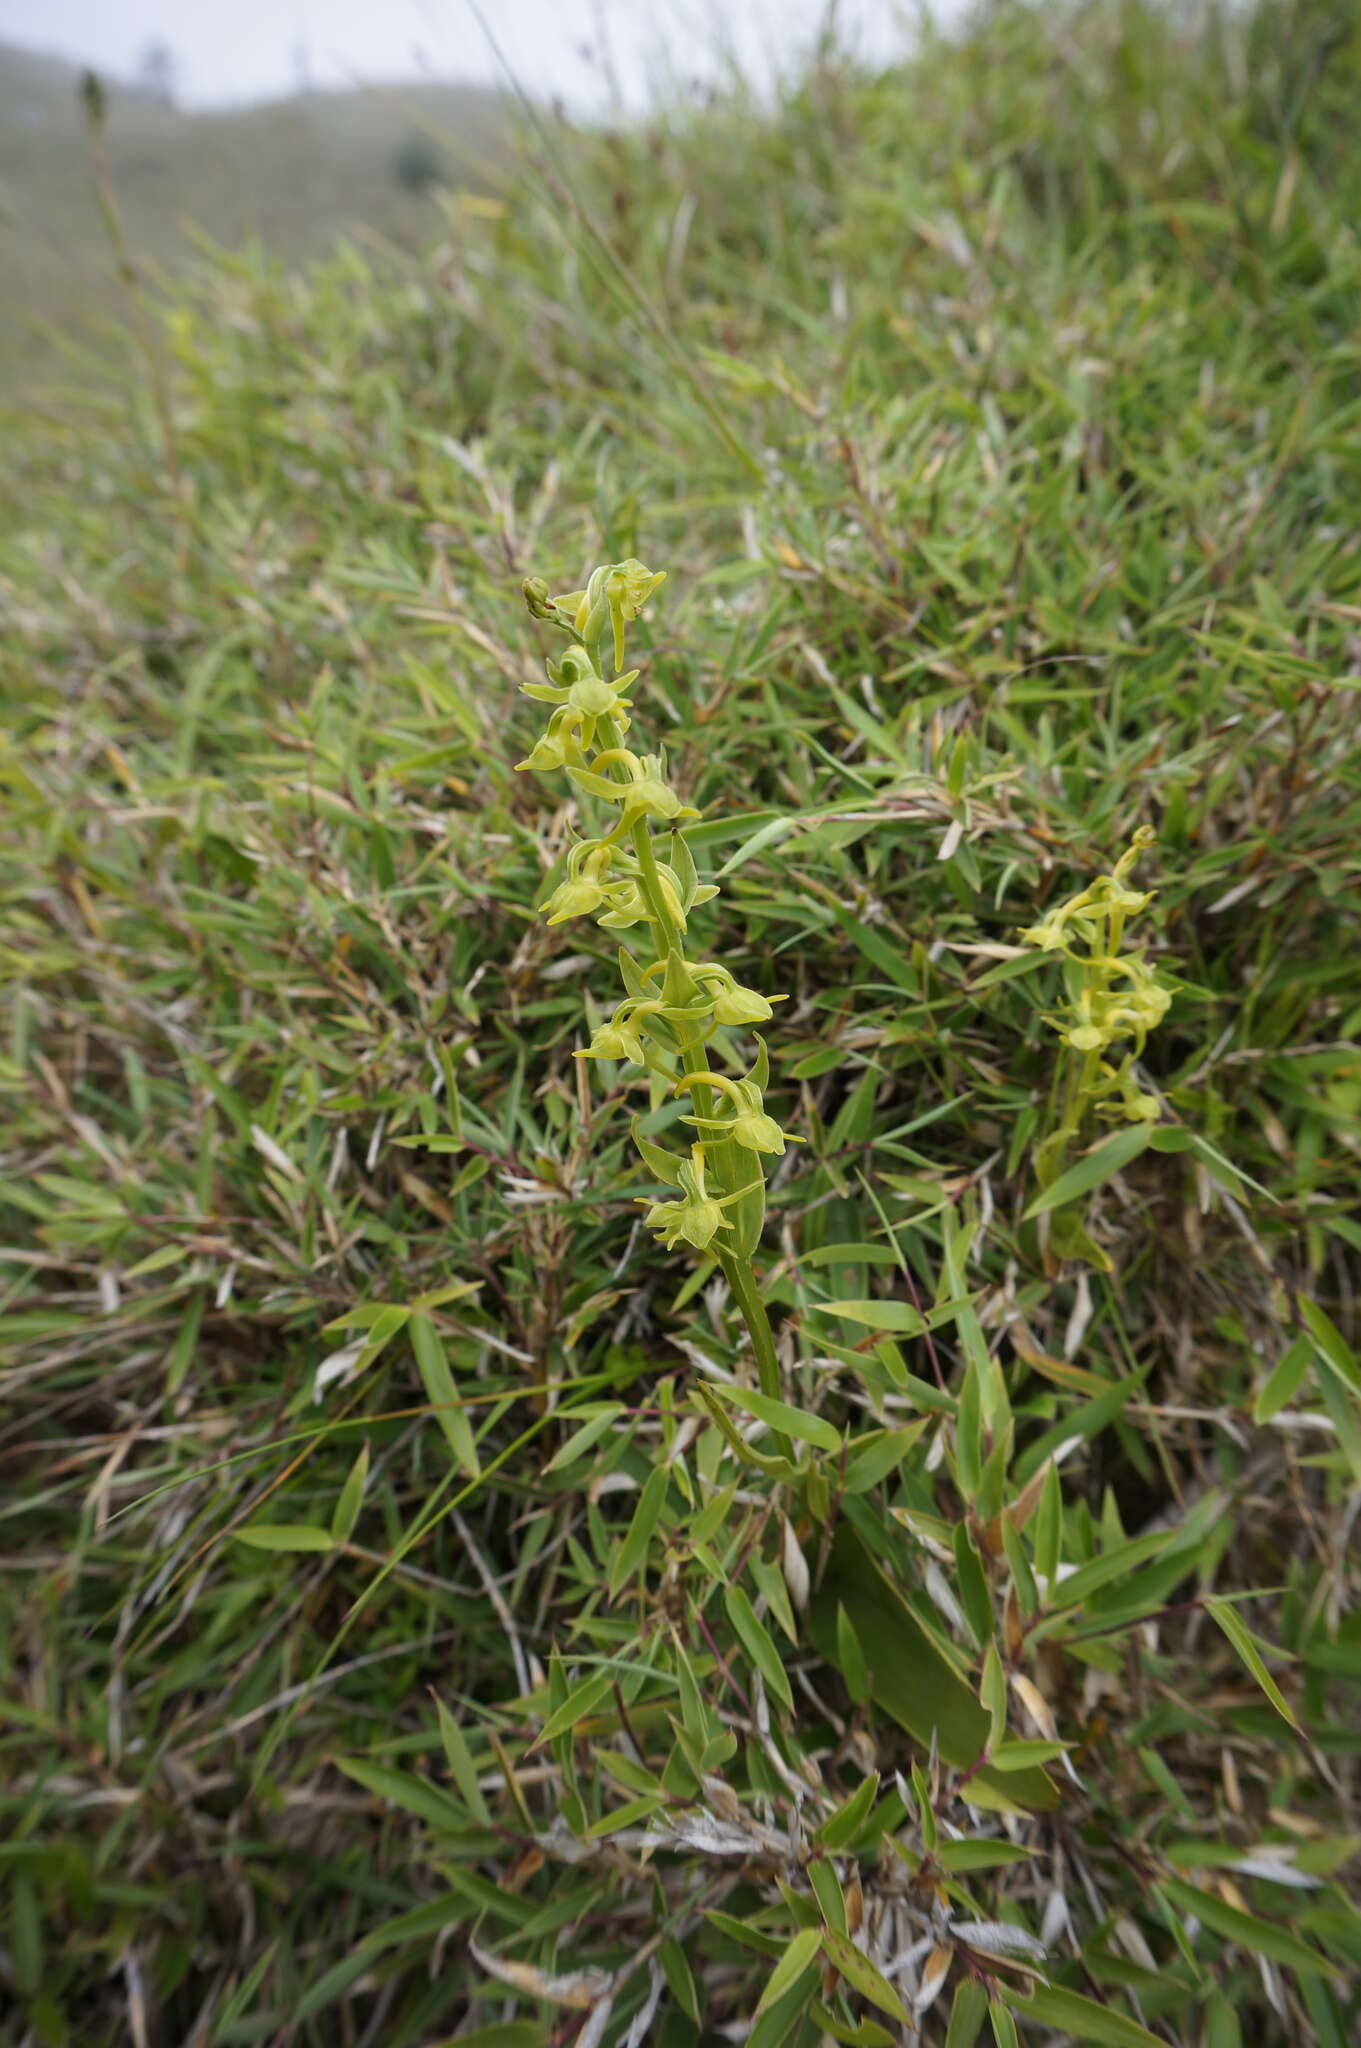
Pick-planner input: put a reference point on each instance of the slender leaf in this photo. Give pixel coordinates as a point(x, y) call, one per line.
point(1255, 1937)
point(283, 1536)
point(1238, 1633)
point(779, 1416)
point(443, 1393)
point(758, 1644)
point(1102, 1163)
point(1084, 2019)
point(796, 1958)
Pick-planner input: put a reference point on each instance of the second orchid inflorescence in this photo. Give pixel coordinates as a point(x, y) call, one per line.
point(1113, 1000)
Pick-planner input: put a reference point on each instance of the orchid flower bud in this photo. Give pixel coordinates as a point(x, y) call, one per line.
point(670, 894)
point(593, 612)
point(1144, 836)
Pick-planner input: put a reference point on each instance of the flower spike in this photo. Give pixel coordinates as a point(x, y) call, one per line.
point(633, 876)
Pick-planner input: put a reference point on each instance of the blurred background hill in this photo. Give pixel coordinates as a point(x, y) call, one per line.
point(294, 173)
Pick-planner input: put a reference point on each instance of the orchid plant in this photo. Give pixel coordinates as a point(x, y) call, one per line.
point(638, 875)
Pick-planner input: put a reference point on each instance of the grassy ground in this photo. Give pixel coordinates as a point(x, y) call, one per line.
point(997, 422)
point(295, 174)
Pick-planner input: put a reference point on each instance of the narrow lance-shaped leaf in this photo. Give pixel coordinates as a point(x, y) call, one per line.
point(850, 1659)
point(1098, 1165)
point(1284, 1381)
point(1255, 1937)
point(646, 1515)
point(967, 2014)
point(351, 1498)
point(404, 1790)
point(1084, 2019)
point(802, 1950)
point(283, 1536)
point(583, 1698)
point(779, 1416)
point(582, 1438)
point(458, 1756)
point(992, 1692)
point(862, 1975)
point(848, 1819)
point(1112, 1564)
point(442, 1392)
point(758, 1644)
point(1332, 1347)
point(1238, 1633)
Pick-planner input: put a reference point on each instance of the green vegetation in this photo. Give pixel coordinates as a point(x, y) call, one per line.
point(419, 1619)
point(295, 174)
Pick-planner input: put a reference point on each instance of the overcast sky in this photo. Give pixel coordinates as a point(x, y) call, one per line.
point(228, 51)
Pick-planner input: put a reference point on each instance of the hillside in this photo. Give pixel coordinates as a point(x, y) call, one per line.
point(296, 173)
point(680, 1322)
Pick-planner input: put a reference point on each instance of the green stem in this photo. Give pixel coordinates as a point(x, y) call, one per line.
point(747, 1295)
point(652, 888)
point(694, 1056)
